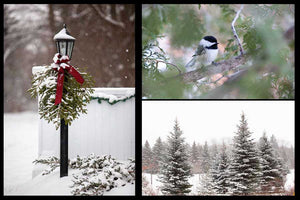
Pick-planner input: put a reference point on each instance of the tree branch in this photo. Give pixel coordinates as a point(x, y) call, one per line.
point(234, 31)
point(219, 67)
point(167, 63)
point(225, 90)
point(107, 18)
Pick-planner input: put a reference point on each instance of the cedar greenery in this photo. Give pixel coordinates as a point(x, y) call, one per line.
point(75, 96)
point(262, 29)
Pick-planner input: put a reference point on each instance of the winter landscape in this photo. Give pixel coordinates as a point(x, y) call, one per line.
point(240, 165)
point(20, 150)
point(49, 80)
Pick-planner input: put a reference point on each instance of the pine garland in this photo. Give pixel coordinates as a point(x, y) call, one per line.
point(74, 100)
point(100, 99)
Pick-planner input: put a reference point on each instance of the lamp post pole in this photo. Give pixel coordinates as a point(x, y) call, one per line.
point(63, 148)
point(64, 44)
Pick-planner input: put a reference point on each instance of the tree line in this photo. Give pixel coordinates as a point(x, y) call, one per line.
point(244, 167)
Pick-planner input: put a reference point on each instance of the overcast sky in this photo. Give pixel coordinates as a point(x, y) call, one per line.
point(213, 121)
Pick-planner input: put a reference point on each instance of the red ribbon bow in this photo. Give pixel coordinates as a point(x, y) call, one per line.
point(61, 63)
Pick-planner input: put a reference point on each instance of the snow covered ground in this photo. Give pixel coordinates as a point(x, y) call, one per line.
point(53, 185)
point(290, 180)
point(195, 181)
point(20, 149)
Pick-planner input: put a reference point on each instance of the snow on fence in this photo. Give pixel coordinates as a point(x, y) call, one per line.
point(105, 129)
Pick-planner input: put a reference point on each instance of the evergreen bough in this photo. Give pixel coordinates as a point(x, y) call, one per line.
point(75, 96)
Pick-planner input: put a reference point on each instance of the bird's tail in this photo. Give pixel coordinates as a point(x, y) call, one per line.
point(191, 62)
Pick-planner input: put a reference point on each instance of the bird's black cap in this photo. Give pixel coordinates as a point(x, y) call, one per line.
point(210, 38)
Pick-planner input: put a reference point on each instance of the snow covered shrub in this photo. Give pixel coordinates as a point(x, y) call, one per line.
point(97, 174)
point(52, 161)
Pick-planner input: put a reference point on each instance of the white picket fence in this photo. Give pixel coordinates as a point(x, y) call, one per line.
point(105, 129)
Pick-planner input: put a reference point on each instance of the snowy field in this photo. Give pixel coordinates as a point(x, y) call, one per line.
point(195, 181)
point(20, 149)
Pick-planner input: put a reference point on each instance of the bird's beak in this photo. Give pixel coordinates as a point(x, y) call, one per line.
point(217, 43)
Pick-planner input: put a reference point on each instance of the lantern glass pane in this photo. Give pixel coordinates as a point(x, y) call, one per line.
point(57, 47)
point(63, 48)
point(70, 48)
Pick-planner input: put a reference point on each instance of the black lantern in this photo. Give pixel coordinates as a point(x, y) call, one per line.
point(64, 42)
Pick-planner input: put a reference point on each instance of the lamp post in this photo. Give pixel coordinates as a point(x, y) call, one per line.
point(64, 45)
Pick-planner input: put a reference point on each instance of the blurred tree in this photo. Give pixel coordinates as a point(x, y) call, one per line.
point(147, 158)
point(195, 159)
point(171, 34)
point(205, 159)
point(105, 44)
point(158, 154)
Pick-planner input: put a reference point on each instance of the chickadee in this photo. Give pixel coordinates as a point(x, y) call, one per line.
point(206, 52)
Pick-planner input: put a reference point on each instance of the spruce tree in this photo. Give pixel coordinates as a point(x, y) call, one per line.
point(147, 158)
point(206, 184)
point(244, 168)
point(282, 165)
point(205, 159)
point(213, 151)
point(222, 175)
point(195, 158)
point(214, 175)
point(176, 169)
point(158, 153)
point(269, 167)
point(194, 153)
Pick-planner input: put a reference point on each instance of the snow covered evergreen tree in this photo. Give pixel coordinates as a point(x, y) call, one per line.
point(205, 159)
point(214, 174)
point(195, 159)
point(221, 178)
point(213, 151)
point(244, 167)
point(271, 180)
point(158, 153)
point(147, 158)
point(206, 185)
point(284, 170)
point(176, 169)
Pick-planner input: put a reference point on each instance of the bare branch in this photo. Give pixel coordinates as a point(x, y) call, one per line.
point(234, 31)
point(107, 18)
point(81, 14)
